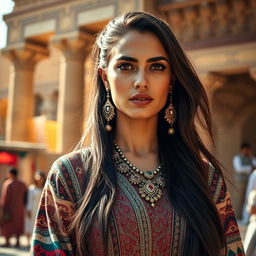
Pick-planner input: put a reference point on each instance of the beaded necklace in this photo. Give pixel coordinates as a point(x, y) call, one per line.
point(149, 183)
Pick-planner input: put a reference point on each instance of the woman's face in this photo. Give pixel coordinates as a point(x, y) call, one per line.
point(138, 75)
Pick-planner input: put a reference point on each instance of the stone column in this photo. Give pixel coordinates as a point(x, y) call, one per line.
point(211, 83)
point(71, 90)
point(20, 94)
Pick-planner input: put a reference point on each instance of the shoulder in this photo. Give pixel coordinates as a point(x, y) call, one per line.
point(72, 163)
point(68, 174)
point(7, 183)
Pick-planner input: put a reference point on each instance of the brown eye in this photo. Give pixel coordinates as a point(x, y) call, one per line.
point(125, 67)
point(158, 67)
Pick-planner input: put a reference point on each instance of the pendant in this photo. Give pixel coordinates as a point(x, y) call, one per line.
point(149, 184)
point(150, 192)
point(149, 174)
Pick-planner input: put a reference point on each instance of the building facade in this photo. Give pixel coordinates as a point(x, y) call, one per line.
point(45, 71)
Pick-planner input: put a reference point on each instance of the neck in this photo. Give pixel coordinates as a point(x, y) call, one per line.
point(137, 136)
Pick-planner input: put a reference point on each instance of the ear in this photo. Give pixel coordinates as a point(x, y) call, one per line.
point(103, 74)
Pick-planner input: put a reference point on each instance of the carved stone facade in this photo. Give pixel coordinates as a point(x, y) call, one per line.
point(194, 21)
point(218, 35)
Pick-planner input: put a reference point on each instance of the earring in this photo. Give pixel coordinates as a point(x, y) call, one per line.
point(108, 112)
point(170, 116)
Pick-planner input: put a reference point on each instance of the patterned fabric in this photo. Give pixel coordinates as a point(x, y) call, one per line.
point(135, 227)
point(223, 203)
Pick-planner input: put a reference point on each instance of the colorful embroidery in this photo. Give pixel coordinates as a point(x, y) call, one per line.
point(141, 215)
point(135, 227)
point(223, 204)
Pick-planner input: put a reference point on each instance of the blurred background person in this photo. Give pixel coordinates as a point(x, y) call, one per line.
point(33, 198)
point(13, 200)
point(250, 237)
point(250, 187)
point(243, 164)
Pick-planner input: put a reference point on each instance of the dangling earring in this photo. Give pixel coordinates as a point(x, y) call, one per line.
point(170, 116)
point(108, 112)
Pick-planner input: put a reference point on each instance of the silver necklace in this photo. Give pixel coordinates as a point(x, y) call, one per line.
point(149, 183)
point(148, 174)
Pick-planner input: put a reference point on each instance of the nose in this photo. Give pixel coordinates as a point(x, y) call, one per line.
point(141, 81)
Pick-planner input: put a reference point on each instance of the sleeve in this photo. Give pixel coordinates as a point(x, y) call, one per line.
point(50, 235)
point(239, 168)
point(224, 207)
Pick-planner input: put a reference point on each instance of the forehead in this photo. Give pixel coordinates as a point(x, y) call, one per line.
point(141, 45)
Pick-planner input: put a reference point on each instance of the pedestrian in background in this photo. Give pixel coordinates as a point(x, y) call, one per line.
point(250, 237)
point(13, 200)
point(250, 187)
point(33, 198)
point(243, 163)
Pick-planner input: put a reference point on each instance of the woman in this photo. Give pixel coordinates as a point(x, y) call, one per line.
point(164, 200)
point(250, 237)
point(33, 198)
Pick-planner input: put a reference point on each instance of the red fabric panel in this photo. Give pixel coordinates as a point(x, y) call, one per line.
point(8, 158)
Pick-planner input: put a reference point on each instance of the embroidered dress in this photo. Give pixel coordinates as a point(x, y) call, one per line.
point(136, 228)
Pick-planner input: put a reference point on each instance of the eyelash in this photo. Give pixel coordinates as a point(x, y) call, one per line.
point(130, 67)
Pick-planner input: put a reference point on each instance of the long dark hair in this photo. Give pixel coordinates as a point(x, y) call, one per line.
point(181, 154)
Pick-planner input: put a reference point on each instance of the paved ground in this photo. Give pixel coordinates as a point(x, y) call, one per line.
point(24, 249)
point(12, 251)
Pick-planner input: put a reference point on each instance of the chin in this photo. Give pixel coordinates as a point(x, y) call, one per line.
point(138, 114)
point(141, 116)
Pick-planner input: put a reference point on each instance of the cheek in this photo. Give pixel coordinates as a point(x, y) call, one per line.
point(162, 79)
point(161, 86)
point(163, 99)
point(161, 90)
point(118, 87)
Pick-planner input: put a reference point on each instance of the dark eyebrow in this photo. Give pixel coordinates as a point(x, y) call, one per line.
point(157, 59)
point(131, 59)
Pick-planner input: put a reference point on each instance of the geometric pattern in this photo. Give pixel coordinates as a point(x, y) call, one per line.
point(135, 227)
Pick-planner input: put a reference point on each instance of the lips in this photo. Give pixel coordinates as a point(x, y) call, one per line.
point(141, 99)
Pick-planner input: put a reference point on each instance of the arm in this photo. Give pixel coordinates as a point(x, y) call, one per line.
point(223, 204)
point(4, 195)
point(50, 235)
point(239, 168)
